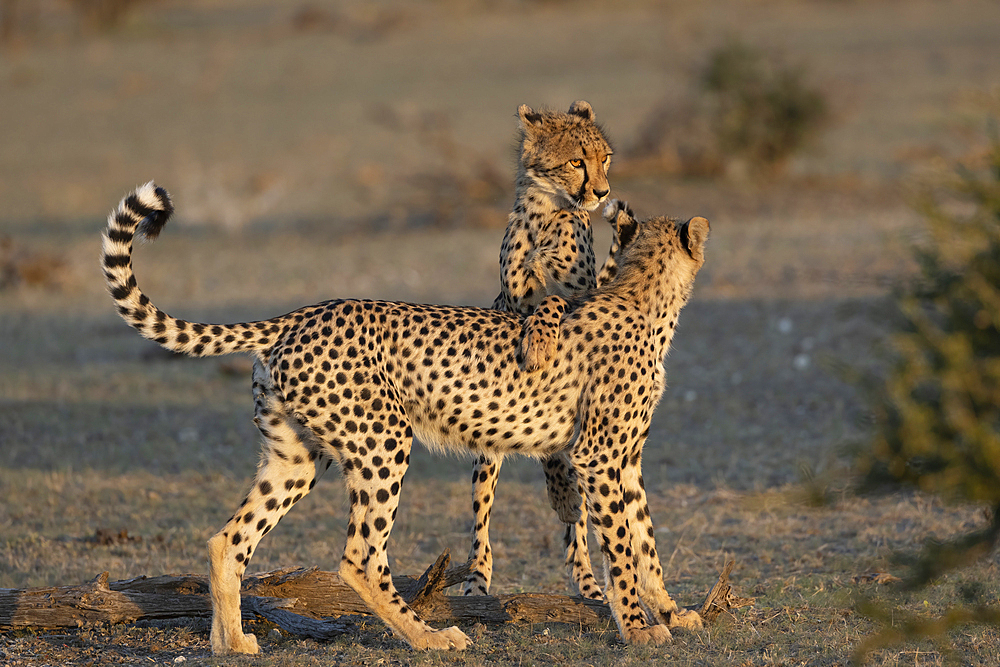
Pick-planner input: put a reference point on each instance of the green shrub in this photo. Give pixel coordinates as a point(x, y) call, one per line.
point(939, 409)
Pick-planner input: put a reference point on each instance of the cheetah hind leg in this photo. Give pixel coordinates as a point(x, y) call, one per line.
point(484, 483)
point(365, 563)
point(566, 498)
point(541, 334)
point(578, 561)
point(286, 474)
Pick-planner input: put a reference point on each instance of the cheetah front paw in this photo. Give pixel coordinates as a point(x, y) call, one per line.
point(537, 349)
point(688, 619)
point(239, 643)
point(654, 634)
point(614, 208)
point(447, 639)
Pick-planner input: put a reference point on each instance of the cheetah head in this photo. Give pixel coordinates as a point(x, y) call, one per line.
point(565, 155)
point(664, 258)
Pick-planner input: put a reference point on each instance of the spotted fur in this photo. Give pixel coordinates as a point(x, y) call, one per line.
point(355, 381)
point(548, 253)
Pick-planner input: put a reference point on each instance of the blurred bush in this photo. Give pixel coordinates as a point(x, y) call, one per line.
point(938, 412)
point(760, 111)
point(102, 15)
point(21, 266)
point(26, 20)
point(748, 112)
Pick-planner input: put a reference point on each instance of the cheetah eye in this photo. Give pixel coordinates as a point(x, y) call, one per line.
point(576, 163)
point(607, 160)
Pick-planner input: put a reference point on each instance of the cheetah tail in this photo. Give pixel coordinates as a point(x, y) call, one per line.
point(144, 212)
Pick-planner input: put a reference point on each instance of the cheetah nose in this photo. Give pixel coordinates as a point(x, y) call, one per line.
point(601, 194)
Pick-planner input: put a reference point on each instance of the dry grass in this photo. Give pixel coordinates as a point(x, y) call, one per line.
point(103, 433)
point(799, 562)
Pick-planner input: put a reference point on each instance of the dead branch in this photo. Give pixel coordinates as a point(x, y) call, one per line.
point(722, 598)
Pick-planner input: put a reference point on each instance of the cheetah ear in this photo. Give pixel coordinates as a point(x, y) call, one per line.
point(530, 120)
point(694, 233)
point(582, 109)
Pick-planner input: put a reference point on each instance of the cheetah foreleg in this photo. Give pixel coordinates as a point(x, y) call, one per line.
point(605, 501)
point(661, 607)
point(541, 333)
point(623, 228)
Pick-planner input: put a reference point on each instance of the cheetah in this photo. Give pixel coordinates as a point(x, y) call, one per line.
point(547, 253)
point(355, 381)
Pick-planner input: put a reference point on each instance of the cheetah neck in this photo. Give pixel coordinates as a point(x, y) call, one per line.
point(660, 302)
point(536, 203)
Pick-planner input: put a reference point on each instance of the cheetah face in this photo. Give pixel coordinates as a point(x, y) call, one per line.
point(566, 155)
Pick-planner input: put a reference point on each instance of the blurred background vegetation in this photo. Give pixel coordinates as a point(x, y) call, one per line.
point(398, 114)
point(938, 410)
point(748, 114)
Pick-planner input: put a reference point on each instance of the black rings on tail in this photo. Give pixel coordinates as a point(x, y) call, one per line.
point(144, 212)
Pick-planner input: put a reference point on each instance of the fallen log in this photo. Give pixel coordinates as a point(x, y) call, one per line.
point(304, 602)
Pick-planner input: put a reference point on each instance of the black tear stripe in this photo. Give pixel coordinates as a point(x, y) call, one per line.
point(583, 186)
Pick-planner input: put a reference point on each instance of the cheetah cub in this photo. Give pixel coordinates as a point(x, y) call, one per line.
point(548, 253)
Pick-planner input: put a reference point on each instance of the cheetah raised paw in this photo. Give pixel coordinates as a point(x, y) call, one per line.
point(541, 333)
point(618, 212)
point(538, 346)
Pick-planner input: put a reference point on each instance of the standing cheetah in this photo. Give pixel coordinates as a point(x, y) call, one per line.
point(548, 253)
point(355, 381)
